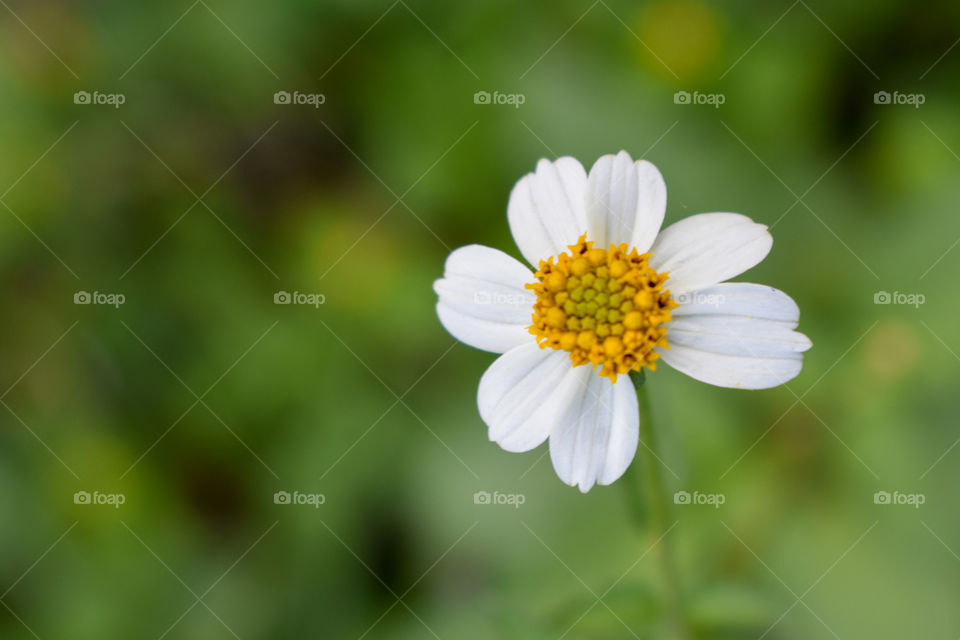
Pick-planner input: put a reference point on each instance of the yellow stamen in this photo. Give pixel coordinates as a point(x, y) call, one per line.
point(606, 307)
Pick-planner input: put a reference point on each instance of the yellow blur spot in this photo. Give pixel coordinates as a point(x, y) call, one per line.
point(892, 350)
point(684, 35)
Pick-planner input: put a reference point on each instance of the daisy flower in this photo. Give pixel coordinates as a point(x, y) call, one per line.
point(611, 293)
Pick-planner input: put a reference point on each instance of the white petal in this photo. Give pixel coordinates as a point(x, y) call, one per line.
point(736, 372)
point(625, 202)
point(597, 437)
point(739, 298)
point(523, 394)
point(709, 248)
point(546, 209)
point(736, 335)
point(482, 300)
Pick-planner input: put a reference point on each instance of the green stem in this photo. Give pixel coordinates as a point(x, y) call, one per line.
point(659, 512)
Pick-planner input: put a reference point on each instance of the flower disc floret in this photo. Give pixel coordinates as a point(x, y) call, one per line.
point(607, 307)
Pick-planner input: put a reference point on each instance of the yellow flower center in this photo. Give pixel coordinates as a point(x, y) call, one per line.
point(605, 306)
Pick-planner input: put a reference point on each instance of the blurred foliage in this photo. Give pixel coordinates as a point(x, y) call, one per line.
point(199, 398)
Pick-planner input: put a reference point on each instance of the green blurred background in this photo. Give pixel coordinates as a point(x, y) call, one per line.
point(197, 399)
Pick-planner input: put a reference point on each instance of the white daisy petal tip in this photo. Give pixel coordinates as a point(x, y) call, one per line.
point(707, 248)
point(597, 437)
point(625, 201)
point(546, 210)
point(737, 335)
point(482, 299)
point(523, 394)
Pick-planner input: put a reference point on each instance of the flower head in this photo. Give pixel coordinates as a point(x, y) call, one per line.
point(608, 308)
point(612, 293)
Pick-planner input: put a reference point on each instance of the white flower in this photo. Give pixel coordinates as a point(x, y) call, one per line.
point(613, 291)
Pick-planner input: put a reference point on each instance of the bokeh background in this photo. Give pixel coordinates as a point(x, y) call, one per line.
point(198, 399)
